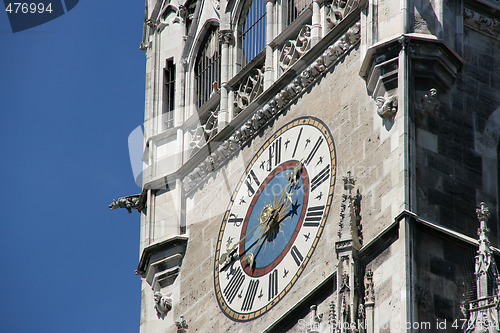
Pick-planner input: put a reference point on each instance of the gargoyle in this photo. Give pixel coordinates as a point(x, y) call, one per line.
point(136, 201)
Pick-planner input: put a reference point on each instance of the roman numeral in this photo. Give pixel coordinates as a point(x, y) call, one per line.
point(296, 255)
point(250, 295)
point(297, 142)
point(320, 178)
point(313, 216)
point(234, 285)
point(314, 150)
point(273, 285)
point(274, 154)
point(248, 182)
point(235, 219)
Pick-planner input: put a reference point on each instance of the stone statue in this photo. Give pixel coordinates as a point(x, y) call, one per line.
point(163, 304)
point(136, 201)
point(387, 107)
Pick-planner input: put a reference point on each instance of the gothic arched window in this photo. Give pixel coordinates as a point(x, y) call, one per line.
point(207, 68)
point(295, 8)
point(253, 35)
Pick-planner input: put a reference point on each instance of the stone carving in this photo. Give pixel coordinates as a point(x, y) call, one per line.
point(294, 49)
point(273, 108)
point(250, 87)
point(481, 23)
point(182, 325)
point(361, 312)
point(226, 37)
point(216, 4)
point(350, 216)
point(163, 305)
point(337, 10)
point(369, 290)
point(315, 317)
point(136, 201)
point(204, 132)
point(427, 102)
point(332, 316)
point(387, 106)
point(482, 312)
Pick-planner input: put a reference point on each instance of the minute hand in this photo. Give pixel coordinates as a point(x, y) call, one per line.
point(292, 181)
point(225, 257)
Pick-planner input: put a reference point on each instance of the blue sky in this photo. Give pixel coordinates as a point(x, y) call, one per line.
point(71, 92)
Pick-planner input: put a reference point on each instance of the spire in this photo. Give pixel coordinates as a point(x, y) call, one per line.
point(482, 313)
point(349, 227)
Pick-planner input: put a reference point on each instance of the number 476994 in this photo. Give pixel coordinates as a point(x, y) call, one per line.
point(28, 8)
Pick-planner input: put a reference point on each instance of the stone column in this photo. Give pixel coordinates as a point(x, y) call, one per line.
point(225, 37)
point(369, 302)
point(316, 22)
point(269, 66)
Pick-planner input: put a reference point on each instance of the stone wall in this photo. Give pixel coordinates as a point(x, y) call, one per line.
point(454, 169)
point(364, 146)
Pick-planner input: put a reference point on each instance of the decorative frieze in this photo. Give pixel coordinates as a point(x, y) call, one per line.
point(482, 23)
point(273, 108)
point(294, 49)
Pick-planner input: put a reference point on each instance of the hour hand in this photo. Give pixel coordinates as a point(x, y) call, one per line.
point(292, 176)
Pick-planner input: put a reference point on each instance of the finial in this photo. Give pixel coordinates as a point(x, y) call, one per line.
point(349, 182)
point(483, 213)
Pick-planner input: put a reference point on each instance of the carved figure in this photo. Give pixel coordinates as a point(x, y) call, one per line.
point(387, 107)
point(136, 201)
point(163, 304)
point(182, 325)
point(427, 103)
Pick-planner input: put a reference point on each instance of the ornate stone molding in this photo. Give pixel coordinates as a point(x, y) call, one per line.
point(482, 312)
point(387, 107)
point(163, 304)
point(204, 132)
point(226, 37)
point(136, 201)
point(250, 87)
point(294, 49)
point(337, 10)
point(369, 289)
point(332, 318)
point(349, 225)
point(160, 262)
point(273, 108)
point(484, 24)
point(433, 64)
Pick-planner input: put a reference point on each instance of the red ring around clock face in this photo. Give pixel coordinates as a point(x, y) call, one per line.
point(278, 241)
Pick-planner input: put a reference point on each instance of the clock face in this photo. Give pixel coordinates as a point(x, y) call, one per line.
point(275, 219)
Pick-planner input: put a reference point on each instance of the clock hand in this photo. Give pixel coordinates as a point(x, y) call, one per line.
point(287, 193)
point(249, 256)
point(225, 258)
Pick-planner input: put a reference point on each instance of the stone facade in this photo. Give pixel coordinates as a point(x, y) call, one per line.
point(410, 93)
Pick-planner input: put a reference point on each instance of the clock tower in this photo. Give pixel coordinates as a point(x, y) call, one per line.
point(315, 166)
